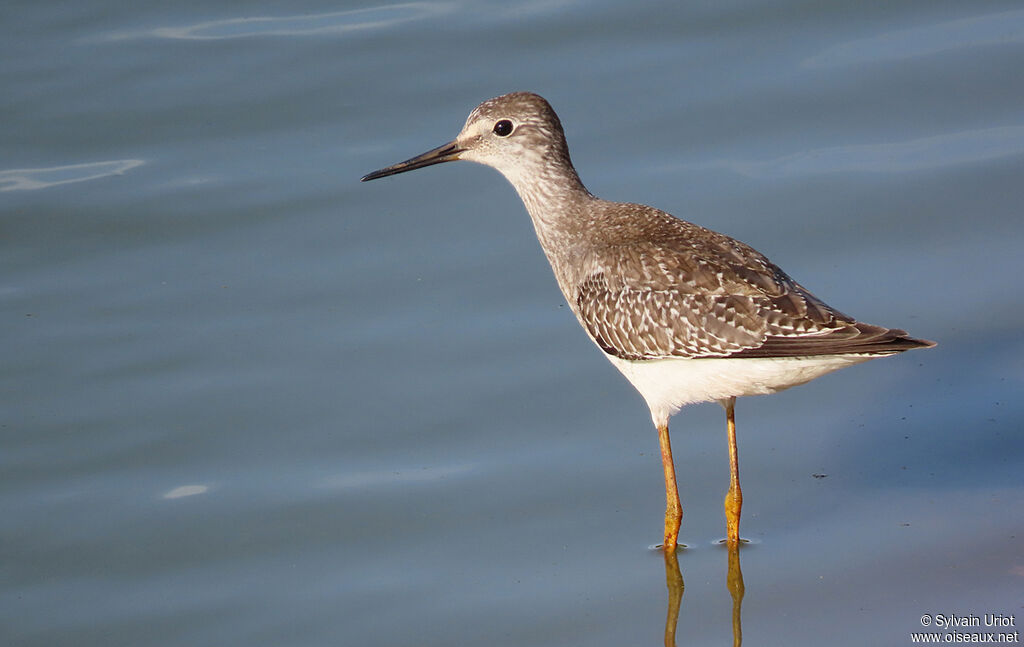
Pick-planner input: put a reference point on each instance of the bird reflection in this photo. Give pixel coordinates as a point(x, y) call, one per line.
point(674, 582)
point(734, 582)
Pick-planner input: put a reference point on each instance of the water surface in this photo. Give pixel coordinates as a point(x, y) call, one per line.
point(247, 400)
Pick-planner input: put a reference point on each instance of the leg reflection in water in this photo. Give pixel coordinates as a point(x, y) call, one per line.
point(733, 582)
point(674, 580)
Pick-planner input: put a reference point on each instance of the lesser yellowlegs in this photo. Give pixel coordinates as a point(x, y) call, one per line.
point(686, 314)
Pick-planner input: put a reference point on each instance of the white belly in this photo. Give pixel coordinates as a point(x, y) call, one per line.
point(669, 384)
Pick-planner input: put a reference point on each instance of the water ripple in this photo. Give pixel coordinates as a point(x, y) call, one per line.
point(27, 179)
point(331, 23)
point(372, 478)
point(185, 490)
point(889, 157)
point(991, 29)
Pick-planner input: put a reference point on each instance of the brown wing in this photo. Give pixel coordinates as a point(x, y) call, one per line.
point(714, 297)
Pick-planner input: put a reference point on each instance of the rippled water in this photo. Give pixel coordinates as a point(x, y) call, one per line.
point(248, 400)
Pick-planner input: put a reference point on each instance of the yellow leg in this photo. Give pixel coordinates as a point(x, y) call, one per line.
point(734, 497)
point(673, 511)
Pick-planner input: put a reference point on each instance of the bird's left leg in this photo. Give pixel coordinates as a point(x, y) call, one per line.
point(673, 511)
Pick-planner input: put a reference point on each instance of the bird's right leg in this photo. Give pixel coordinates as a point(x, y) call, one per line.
point(673, 511)
point(734, 497)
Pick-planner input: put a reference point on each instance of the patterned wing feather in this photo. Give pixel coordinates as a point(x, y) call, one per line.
point(715, 297)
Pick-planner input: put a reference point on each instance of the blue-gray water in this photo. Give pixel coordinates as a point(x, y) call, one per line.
point(247, 400)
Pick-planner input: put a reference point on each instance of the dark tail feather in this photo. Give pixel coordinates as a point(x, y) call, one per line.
point(855, 339)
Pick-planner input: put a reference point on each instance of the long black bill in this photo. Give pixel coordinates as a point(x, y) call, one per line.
point(446, 153)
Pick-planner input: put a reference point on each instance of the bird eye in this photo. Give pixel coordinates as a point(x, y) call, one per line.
point(503, 128)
